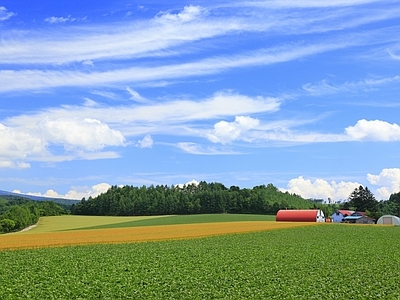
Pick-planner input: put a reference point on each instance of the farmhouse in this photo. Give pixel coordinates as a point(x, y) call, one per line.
point(296, 215)
point(389, 220)
point(340, 214)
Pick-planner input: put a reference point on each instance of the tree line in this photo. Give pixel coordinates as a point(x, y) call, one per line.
point(189, 199)
point(19, 213)
point(362, 199)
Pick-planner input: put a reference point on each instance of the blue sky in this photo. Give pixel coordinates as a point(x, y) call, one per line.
point(300, 94)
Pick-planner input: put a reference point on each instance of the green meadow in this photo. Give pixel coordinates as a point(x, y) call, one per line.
point(327, 261)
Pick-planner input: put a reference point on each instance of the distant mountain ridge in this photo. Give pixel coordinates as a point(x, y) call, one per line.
point(39, 198)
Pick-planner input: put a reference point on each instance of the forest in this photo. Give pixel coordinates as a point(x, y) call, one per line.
point(17, 213)
point(206, 198)
point(190, 199)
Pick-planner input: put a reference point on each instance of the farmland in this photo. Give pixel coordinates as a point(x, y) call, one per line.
point(75, 230)
point(327, 261)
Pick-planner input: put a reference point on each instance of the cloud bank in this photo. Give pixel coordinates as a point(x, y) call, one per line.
point(384, 184)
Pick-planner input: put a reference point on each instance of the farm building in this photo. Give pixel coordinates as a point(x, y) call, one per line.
point(296, 215)
point(340, 214)
point(389, 220)
point(358, 219)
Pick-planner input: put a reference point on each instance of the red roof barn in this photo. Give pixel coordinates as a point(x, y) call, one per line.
point(296, 215)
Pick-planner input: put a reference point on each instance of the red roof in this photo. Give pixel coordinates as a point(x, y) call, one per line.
point(345, 212)
point(294, 215)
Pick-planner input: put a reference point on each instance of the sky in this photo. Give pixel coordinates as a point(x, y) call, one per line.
point(301, 94)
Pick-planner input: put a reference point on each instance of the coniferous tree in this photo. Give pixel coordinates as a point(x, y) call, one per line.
point(363, 200)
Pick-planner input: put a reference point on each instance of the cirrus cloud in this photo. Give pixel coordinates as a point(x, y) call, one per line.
point(5, 14)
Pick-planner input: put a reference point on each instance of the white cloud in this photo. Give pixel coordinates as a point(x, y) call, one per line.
point(76, 193)
point(189, 13)
point(105, 94)
point(136, 96)
point(5, 14)
point(18, 144)
point(87, 134)
point(226, 132)
point(55, 20)
point(146, 142)
point(321, 189)
point(307, 3)
point(37, 79)
point(37, 136)
point(193, 148)
point(173, 112)
point(192, 182)
point(6, 163)
point(393, 55)
point(375, 130)
point(325, 88)
point(94, 191)
point(388, 180)
point(33, 141)
point(88, 63)
point(117, 41)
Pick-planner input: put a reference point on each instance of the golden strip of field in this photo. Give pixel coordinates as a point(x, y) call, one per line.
point(136, 234)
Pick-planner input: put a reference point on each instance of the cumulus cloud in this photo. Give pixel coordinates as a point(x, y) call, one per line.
point(193, 182)
point(146, 142)
point(375, 130)
point(76, 193)
point(385, 183)
point(226, 132)
point(88, 134)
point(16, 145)
point(321, 189)
point(5, 14)
point(33, 141)
point(388, 180)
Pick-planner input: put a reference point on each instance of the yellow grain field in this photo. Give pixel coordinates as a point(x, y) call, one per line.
point(136, 234)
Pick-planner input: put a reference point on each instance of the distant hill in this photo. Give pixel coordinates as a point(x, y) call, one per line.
point(6, 195)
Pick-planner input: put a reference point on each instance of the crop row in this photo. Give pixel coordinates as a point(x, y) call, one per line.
point(314, 262)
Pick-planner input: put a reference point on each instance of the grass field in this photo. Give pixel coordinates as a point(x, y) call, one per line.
point(71, 222)
point(328, 261)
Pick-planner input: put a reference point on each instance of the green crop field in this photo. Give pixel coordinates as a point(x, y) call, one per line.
point(184, 219)
point(329, 261)
point(71, 222)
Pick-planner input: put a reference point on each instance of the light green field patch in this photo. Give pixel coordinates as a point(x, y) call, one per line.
point(70, 222)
